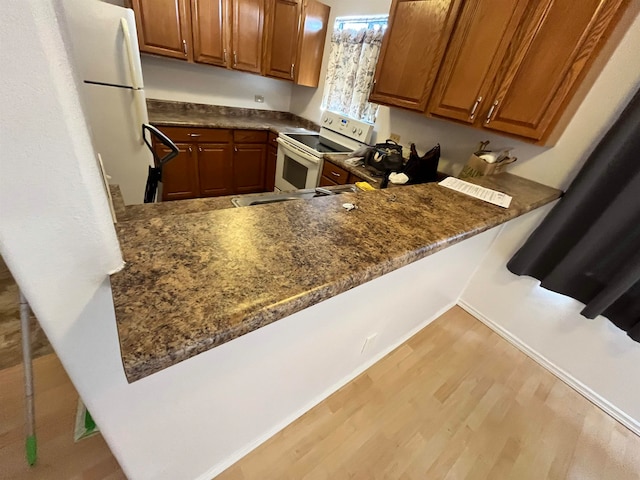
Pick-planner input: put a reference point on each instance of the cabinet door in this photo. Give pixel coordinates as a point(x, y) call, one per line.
point(247, 27)
point(283, 25)
point(551, 50)
point(180, 175)
point(209, 24)
point(249, 162)
point(311, 44)
point(412, 51)
point(215, 169)
point(164, 27)
point(477, 46)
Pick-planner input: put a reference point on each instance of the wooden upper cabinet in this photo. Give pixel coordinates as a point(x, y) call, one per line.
point(412, 51)
point(311, 43)
point(282, 28)
point(164, 27)
point(209, 27)
point(548, 55)
point(247, 28)
point(477, 47)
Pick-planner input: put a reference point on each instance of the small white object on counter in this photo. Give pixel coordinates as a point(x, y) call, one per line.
point(489, 157)
point(492, 196)
point(398, 178)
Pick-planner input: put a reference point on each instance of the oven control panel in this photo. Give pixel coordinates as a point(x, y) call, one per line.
point(349, 127)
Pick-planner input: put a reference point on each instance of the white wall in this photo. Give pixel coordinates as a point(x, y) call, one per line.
point(169, 79)
point(593, 355)
point(56, 231)
point(552, 166)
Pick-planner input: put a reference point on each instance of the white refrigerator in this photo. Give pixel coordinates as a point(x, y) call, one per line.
point(104, 48)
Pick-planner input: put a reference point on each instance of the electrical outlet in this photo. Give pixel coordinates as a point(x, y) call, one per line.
point(368, 343)
point(395, 137)
point(259, 98)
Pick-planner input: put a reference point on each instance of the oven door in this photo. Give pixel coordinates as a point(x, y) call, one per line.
point(295, 168)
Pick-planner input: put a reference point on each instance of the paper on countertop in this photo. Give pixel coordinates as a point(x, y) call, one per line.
point(476, 191)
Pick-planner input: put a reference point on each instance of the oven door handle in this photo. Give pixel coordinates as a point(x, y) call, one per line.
point(298, 152)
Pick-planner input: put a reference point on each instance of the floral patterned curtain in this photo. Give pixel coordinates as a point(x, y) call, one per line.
point(352, 63)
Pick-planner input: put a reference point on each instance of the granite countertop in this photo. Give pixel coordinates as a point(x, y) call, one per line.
point(193, 281)
point(181, 114)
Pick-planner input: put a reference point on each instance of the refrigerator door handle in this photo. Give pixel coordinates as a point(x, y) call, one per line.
point(131, 55)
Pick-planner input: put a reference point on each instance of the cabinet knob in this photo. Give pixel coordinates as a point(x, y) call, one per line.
point(472, 114)
point(194, 134)
point(235, 59)
point(199, 149)
point(190, 150)
point(184, 46)
point(235, 149)
point(490, 114)
point(335, 174)
point(224, 55)
point(292, 69)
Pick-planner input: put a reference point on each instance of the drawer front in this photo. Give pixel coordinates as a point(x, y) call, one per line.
point(184, 134)
point(250, 136)
point(327, 182)
point(335, 173)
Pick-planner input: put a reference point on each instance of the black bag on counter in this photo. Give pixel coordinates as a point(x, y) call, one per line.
point(422, 169)
point(384, 157)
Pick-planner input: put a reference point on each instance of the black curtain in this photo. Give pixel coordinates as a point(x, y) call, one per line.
point(588, 247)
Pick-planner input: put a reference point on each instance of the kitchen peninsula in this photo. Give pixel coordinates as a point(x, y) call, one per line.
point(194, 281)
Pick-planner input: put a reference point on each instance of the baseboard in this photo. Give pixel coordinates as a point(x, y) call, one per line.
point(221, 467)
point(567, 378)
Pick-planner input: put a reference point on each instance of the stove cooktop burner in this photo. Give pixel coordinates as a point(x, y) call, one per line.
point(318, 143)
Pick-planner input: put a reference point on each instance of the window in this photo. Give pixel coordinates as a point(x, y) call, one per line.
point(355, 47)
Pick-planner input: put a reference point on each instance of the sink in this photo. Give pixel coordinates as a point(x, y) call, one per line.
point(277, 197)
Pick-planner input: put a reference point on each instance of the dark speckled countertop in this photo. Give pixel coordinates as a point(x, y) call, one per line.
point(193, 281)
point(181, 114)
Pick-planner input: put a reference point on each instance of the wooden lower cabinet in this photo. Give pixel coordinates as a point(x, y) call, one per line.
point(249, 166)
point(215, 169)
point(216, 162)
point(180, 175)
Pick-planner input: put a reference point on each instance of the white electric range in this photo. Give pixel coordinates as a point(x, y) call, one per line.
point(300, 155)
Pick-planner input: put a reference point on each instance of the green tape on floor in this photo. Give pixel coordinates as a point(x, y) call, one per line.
point(31, 449)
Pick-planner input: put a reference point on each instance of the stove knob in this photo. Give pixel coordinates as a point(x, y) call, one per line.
point(330, 121)
point(360, 132)
point(325, 119)
point(354, 130)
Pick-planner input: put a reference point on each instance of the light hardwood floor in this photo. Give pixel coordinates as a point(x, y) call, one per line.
point(59, 458)
point(454, 402)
